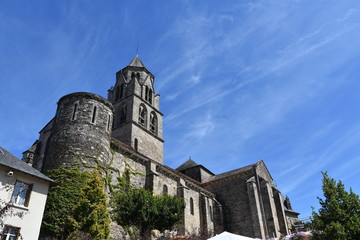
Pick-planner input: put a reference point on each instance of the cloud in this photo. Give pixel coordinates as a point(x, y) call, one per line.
point(172, 97)
point(197, 55)
point(202, 128)
point(194, 79)
point(325, 158)
point(348, 14)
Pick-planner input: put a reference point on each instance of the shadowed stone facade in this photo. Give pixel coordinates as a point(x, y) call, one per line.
point(126, 131)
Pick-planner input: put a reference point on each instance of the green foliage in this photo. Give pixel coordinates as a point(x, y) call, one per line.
point(91, 212)
point(61, 200)
point(76, 204)
point(139, 208)
point(339, 214)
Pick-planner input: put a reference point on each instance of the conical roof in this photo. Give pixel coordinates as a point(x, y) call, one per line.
point(136, 62)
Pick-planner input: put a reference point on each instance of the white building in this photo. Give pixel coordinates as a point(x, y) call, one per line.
point(25, 189)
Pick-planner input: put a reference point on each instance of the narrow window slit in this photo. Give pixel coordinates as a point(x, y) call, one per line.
point(73, 117)
point(94, 115)
point(108, 123)
point(136, 144)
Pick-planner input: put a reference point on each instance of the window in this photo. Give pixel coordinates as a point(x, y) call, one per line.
point(148, 94)
point(153, 123)
point(132, 76)
point(108, 123)
point(94, 115)
point(123, 112)
point(74, 113)
point(210, 213)
point(165, 190)
point(191, 206)
point(117, 93)
point(121, 94)
point(136, 144)
point(142, 115)
point(10, 233)
point(21, 194)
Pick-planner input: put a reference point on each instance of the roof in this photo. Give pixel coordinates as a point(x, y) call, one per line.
point(188, 164)
point(10, 161)
point(136, 62)
point(230, 173)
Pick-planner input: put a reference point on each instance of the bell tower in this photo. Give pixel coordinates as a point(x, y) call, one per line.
point(137, 120)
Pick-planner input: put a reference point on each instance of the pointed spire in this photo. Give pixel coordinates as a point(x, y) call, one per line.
point(136, 62)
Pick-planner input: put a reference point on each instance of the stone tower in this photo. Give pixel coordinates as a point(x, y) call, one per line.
point(81, 127)
point(138, 120)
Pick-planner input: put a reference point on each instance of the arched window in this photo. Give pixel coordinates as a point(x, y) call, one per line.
point(142, 115)
point(165, 190)
point(153, 123)
point(132, 76)
point(191, 206)
point(146, 93)
point(123, 112)
point(150, 96)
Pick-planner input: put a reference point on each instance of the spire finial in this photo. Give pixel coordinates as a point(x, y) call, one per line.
point(137, 49)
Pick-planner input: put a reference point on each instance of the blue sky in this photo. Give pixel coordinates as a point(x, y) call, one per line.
point(239, 81)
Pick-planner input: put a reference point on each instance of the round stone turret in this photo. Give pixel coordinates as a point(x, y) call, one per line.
point(81, 131)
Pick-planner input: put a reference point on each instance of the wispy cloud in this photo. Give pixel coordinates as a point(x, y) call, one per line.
point(292, 53)
point(202, 128)
point(194, 79)
point(332, 152)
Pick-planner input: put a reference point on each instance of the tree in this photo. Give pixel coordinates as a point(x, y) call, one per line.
point(91, 213)
point(141, 209)
point(339, 214)
point(6, 207)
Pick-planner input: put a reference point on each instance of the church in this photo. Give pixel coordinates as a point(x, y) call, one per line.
point(125, 131)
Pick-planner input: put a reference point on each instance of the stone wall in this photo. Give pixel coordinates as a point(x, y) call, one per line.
point(232, 195)
point(41, 146)
point(82, 127)
point(191, 220)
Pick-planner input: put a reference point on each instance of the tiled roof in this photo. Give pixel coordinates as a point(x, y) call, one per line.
point(10, 161)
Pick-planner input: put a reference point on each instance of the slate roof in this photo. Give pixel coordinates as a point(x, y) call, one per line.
point(230, 173)
point(186, 165)
point(136, 62)
point(12, 162)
